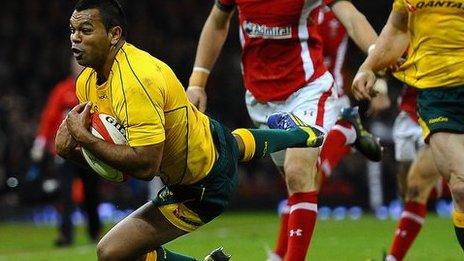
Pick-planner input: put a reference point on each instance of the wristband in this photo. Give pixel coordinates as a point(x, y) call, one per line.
point(195, 87)
point(201, 69)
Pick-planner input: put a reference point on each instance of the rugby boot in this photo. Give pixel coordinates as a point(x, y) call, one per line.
point(365, 143)
point(217, 255)
point(288, 121)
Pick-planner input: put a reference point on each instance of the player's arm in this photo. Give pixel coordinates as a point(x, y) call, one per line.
point(390, 46)
point(355, 23)
point(141, 162)
point(212, 38)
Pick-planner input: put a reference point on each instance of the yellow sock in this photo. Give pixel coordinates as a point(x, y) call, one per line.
point(151, 256)
point(248, 143)
point(458, 219)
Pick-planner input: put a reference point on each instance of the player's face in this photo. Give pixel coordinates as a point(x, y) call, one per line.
point(90, 41)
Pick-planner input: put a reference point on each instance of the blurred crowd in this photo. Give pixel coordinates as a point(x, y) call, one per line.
point(34, 55)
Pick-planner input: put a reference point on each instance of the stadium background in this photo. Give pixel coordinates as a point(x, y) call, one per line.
point(34, 53)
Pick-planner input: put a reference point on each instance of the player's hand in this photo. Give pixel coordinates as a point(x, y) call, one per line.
point(64, 142)
point(378, 104)
point(78, 122)
point(362, 84)
point(197, 96)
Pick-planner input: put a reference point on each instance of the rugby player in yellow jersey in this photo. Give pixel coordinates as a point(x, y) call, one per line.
point(434, 30)
point(167, 136)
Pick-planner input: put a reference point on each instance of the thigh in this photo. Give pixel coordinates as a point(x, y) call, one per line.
point(144, 230)
point(315, 104)
point(447, 150)
point(422, 176)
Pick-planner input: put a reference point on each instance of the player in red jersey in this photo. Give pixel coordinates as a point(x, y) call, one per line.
point(283, 70)
point(61, 100)
point(335, 44)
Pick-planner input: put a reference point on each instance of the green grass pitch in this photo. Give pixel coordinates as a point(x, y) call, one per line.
point(246, 235)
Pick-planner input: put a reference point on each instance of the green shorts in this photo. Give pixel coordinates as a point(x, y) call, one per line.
point(190, 206)
point(441, 110)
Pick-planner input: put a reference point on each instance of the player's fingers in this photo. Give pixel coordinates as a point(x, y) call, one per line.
point(357, 88)
point(77, 109)
point(85, 114)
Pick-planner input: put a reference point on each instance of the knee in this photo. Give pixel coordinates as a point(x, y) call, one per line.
point(105, 252)
point(415, 193)
point(299, 178)
point(457, 191)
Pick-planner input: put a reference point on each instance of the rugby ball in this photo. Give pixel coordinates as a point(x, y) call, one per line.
point(107, 128)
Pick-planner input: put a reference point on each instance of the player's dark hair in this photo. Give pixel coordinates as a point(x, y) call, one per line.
point(110, 10)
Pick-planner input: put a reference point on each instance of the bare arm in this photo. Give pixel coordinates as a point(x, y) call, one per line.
point(140, 162)
point(355, 23)
point(390, 45)
point(212, 39)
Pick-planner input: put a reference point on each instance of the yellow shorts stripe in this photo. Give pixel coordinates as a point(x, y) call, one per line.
point(248, 142)
point(425, 129)
point(458, 219)
point(151, 256)
point(181, 217)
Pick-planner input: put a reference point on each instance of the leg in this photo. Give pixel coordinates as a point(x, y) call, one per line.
point(300, 175)
point(447, 149)
point(91, 202)
point(336, 146)
point(282, 239)
point(402, 177)
point(66, 177)
point(141, 232)
point(421, 178)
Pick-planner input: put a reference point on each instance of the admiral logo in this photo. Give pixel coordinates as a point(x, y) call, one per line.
point(267, 32)
point(116, 124)
point(434, 4)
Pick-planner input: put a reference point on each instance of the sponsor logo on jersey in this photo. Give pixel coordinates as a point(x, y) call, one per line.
point(254, 30)
point(433, 4)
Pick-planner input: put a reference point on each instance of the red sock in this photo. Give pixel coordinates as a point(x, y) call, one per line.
point(336, 146)
point(409, 226)
point(282, 238)
point(301, 222)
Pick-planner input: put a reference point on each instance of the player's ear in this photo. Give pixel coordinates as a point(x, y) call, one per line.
point(115, 34)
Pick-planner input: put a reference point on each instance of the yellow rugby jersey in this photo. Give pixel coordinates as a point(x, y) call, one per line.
point(436, 52)
point(145, 95)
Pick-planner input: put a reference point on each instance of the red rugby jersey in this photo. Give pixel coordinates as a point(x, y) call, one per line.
point(281, 45)
point(408, 102)
point(61, 100)
point(334, 45)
